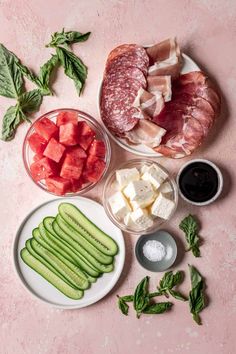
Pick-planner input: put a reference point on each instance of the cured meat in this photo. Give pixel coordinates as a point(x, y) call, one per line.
point(149, 103)
point(160, 84)
point(146, 133)
point(124, 75)
point(189, 115)
point(165, 58)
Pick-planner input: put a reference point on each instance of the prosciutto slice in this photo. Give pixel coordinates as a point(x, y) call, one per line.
point(160, 84)
point(189, 116)
point(149, 103)
point(166, 58)
point(146, 132)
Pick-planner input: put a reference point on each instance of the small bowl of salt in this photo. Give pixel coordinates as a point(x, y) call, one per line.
point(156, 252)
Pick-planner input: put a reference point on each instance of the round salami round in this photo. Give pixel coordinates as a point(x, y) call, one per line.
point(125, 73)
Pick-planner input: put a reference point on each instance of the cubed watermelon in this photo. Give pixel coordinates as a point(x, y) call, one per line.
point(85, 129)
point(46, 128)
point(69, 134)
point(58, 185)
point(76, 152)
point(67, 117)
point(76, 185)
point(93, 172)
point(98, 148)
point(38, 157)
point(54, 150)
point(85, 141)
point(72, 167)
point(43, 168)
point(37, 143)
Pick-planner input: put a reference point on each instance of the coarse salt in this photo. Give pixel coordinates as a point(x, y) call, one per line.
point(154, 250)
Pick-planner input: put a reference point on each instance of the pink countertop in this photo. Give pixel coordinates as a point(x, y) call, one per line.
point(206, 30)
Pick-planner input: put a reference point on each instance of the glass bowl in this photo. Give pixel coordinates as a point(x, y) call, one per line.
point(111, 186)
point(28, 154)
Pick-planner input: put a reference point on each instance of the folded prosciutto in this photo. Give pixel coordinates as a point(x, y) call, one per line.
point(160, 84)
point(165, 58)
point(146, 132)
point(149, 103)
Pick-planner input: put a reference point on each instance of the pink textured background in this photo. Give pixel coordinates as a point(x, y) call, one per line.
point(207, 31)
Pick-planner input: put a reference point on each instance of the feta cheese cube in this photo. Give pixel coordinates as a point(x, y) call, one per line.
point(166, 188)
point(154, 175)
point(127, 175)
point(128, 220)
point(140, 192)
point(141, 218)
point(144, 168)
point(119, 205)
point(162, 207)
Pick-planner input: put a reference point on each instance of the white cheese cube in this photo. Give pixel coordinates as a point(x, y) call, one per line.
point(166, 188)
point(119, 205)
point(154, 175)
point(128, 220)
point(140, 192)
point(141, 218)
point(127, 175)
point(162, 207)
point(144, 168)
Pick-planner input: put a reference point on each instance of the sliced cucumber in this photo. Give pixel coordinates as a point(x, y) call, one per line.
point(47, 222)
point(42, 260)
point(91, 279)
point(101, 257)
point(51, 277)
point(101, 267)
point(75, 218)
point(74, 278)
point(55, 245)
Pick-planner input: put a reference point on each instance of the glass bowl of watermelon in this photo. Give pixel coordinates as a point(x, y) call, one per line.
point(66, 152)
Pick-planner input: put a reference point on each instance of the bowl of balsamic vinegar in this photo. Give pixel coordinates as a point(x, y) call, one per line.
point(200, 182)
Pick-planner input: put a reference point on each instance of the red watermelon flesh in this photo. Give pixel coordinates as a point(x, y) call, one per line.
point(72, 167)
point(46, 128)
point(77, 152)
point(43, 168)
point(97, 148)
point(69, 134)
point(67, 117)
point(58, 185)
point(54, 150)
point(37, 143)
point(94, 171)
point(85, 129)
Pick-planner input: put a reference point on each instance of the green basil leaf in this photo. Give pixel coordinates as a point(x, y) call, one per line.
point(123, 306)
point(196, 296)
point(141, 298)
point(66, 38)
point(157, 308)
point(12, 118)
point(166, 281)
point(45, 73)
point(190, 227)
point(30, 101)
point(177, 295)
point(11, 80)
point(127, 298)
point(73, 67)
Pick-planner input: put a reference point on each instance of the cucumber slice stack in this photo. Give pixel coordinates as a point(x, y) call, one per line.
point(69, 251)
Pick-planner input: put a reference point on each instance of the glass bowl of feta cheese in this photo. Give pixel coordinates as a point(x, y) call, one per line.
point(140, 196)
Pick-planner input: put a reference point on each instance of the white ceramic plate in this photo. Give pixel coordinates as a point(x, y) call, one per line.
point(37, 285)
point(143, 150)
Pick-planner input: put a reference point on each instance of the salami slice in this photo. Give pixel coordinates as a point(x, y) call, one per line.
point(125, 73)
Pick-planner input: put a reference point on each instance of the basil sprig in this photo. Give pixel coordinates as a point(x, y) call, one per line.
point(189, 226)
point(157, 308)
point(169, 281)
point(67, 38)
point(141, 299)
point(196, 296)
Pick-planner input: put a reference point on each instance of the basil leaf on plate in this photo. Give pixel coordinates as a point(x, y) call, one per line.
point(190, 227)
point(66, 38)
point(157, 308)
point(30, 101)
point(141, 298)
point(11, 80)
point(74, 68)
point(123, 306)
point(196, 296)
point(12, 118)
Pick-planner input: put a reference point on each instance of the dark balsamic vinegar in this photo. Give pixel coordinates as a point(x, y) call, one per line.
point(199, 182)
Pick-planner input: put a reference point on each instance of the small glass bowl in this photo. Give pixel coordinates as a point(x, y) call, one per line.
point(111, 186)
point(28, 154)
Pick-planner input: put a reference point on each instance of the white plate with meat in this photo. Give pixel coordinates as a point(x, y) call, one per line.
point(153, 107)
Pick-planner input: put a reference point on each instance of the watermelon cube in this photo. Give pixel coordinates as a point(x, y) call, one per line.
point(46, 128)
point(37, 143)
point(58, 185)
point(76, 152)
point(98, 148)
point(93, 172)
point(54, 150)
point(42, 169)
point(67, 117)
point(72, 167)
point(85, 129)
point(38, 157)
point(85, 141)
point(76, 185)
point(69, 134)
